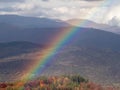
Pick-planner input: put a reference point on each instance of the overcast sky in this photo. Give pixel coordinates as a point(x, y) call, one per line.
point(102, 11)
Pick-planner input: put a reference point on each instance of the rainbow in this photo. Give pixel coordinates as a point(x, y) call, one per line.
point(39, 64)
point(47, 53)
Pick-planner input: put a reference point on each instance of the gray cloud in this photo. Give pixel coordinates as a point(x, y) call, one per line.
point(6, 9)
point(11, 1)
point(114, 21)
point(45, 0)
point(65, 9)
point(9, 9)
point(93, 0)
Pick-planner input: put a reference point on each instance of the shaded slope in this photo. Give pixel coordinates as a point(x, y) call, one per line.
point(17, 48)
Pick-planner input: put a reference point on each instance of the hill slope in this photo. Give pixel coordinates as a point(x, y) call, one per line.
point(101, 66)
point(17, 48)
point(84, 37)
point(91, 53)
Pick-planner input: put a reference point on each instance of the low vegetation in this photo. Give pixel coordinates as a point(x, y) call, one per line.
point(75, 82)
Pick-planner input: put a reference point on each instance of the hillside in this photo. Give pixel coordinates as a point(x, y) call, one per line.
point(100, 66)
point(88, 37)
point(16, 48)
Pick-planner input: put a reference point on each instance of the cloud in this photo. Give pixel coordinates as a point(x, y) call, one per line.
point(101, 11)
point(61, 9)
point(45, 0)
point(11, 1)
point(93, 0)
point(114, 21)
point(8, 9)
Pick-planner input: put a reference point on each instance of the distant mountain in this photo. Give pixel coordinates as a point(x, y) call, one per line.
point(35, 35)
point(97, 39)
point(84, 37)
point(31, 22)
point(91, 24)
point(16, 22)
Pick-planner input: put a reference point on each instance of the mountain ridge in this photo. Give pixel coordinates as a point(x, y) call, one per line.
point(92, 24)
point(35, 22)
point(31, 22)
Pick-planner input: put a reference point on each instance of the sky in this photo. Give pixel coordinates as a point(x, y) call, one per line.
point(101, 11)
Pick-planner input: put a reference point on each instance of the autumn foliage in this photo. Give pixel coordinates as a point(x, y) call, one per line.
point(55, 83)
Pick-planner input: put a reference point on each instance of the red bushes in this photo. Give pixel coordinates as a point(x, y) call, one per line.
point(3, 85)
point(54, 83)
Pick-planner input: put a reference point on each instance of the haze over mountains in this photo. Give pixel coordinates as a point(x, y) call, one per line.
point(91, 24)
point(15, 21)
point(93, 53)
